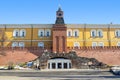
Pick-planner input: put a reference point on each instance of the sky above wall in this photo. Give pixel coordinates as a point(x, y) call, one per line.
point(44, 11)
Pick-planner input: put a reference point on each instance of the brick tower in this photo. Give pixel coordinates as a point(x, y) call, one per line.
point(59, 33)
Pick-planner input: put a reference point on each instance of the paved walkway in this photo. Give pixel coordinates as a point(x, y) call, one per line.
point(72, 74)
point(52, 70)
point(55, 78)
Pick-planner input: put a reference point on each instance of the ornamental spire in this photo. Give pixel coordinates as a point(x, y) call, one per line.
point(59, 16)
point(59, 8)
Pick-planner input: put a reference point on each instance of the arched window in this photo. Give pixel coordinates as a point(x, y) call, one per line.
point(93, 33)
point(101, 44)
point(117, 33)
point(47, 32)
point(22, 33)
point(100, 33)
point(21, 44)
point(41, 33)
point(118, 44)
point(94, 44)
point(16, 33)
point(76, 44)
point(41, 44)
point(69, 32)
point(15, 44)
point(76, 32)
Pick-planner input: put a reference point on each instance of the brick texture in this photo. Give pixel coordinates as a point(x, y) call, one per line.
point(16, 56)
point(59, 38)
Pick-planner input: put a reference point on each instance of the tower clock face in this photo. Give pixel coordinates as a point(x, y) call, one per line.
point(60, 14)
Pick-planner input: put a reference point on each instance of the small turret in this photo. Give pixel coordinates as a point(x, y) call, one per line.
point(59, 16)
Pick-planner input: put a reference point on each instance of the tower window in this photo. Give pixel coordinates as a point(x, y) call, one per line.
point(60, 14)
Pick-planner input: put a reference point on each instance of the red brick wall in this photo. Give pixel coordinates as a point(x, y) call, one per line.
point(110, 56)
point(59, 32)
point(18, 55)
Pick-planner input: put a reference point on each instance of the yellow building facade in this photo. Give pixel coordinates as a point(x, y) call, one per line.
point(41, 35)
point(78, 35)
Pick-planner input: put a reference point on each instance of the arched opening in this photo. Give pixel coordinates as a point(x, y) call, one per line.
point(117, 33)
point(101, 44)
point(41, 33)
point(21, 44)
point(22, 33)
point(59, 63)
point(93, 33)
point(118, 44)
point(15, 44)
point(16, 33)
point(69, 32)
point(100, 33)
point(48, 33)
point(41, 44)
point(76, 33)
point(76, 45)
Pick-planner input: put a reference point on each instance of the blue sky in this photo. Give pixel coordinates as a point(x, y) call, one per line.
point(44, 11)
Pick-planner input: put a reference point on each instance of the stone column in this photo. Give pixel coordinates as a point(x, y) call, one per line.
point(56, 64)
point(50, 65)
point(68, 67)
point(62, 65)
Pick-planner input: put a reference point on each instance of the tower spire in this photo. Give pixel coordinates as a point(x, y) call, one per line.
point(59, 16)
point(59, 8)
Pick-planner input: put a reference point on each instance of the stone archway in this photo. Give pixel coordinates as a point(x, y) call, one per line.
point(50, 60)
point(59, 63)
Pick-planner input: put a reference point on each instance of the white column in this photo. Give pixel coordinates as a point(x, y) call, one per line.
point(62, 65)
point(56, 64)
point(50, 65)
point(68, 65)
